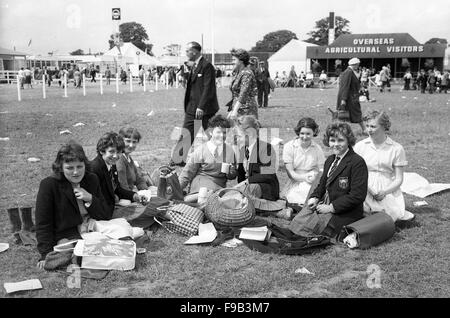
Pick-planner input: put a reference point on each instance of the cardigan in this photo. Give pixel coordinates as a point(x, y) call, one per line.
point(129, 175)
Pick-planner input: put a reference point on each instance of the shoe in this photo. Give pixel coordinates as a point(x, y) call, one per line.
point(286, 214)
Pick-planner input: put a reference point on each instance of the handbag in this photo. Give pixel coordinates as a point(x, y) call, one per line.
point(183, 219)
point(340, 114)
point(230, 207)
point(107, 254)
point(169, 187)
point(371, 230)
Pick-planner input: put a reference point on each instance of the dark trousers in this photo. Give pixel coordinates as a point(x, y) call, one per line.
point(192, 126)
point(407, 82)
point(263, 94)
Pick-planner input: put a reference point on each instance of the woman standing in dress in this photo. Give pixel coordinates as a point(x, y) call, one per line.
point(385, 161)
point(243, 87)
point(304, 161)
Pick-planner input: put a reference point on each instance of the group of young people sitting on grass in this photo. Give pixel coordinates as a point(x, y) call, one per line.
point(355, 180)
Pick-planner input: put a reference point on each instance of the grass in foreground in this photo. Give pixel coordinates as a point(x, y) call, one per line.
point(414, 263)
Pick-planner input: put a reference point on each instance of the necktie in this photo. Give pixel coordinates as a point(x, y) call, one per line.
point(247, 153)
point(333, 168)
point(216, 152)
point(113, 181)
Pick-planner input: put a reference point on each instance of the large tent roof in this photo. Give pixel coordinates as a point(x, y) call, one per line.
point(292, 51)
point(132, 54)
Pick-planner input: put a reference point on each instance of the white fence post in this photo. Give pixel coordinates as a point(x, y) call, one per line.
point(101, 84)
point(156, 81)
point(131, 82)
point(145, 87)
point(117, 83)
point(166, 80)
point(44, 95)
point(19, 93)
point(84, 84)
point(65, 85)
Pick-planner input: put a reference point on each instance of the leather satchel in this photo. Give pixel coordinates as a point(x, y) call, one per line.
point(371, 230)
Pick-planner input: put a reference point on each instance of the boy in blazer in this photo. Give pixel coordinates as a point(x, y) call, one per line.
point(257, 161)
point(109, 148)
point(339, 197)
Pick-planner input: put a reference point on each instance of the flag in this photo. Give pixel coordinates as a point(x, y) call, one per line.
point(29, 42)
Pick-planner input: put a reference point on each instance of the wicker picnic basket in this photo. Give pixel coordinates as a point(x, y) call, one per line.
point(229, 207)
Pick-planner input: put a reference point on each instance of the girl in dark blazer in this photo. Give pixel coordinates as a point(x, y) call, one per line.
point(339, 197)
point(66, 199)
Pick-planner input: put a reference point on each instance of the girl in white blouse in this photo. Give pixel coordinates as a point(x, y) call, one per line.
point(385, 161)
point(304, 161)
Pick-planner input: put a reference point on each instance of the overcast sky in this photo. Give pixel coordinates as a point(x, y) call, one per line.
point(66, 25)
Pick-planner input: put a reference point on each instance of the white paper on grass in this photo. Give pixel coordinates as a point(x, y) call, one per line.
point(4, 139)
point(30, 284)
point(254, 233)
point(418, 186)
point(79, 125)
point(32, 159)
point(4, 247)
point(206, 234)
point(303, 270)
point(65, 132)
point(234, 242)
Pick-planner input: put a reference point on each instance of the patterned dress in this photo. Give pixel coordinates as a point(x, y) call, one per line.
point(244, 89)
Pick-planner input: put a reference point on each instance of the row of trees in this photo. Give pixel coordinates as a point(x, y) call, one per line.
point(135, 33)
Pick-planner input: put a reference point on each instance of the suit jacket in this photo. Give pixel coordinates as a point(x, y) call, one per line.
point(347, 189)
point(349, 87)
point(57, 211)
point(262, 77)
point(262, 170)
point(201, 89)
point(98, 166)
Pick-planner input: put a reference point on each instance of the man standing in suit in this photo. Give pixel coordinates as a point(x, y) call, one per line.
point(262, 81)
point(200, 101)
point(348, 95)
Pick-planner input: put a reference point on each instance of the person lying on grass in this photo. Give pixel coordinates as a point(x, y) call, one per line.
point(109, 148)
point(67, 200)
point(210, 165)
point(131, 176)
point(339, 197)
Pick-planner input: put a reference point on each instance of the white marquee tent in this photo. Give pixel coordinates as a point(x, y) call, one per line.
point(131, 54)
point(293, 53)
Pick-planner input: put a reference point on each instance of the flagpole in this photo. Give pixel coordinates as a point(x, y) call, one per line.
point(212, 31)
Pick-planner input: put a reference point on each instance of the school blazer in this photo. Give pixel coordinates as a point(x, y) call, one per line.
point(201, 89)
point(262, 170)
point(348, 187)
point(98, 166)
point(57, 212)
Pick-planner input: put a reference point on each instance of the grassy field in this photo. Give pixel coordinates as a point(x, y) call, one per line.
point(414, 263)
